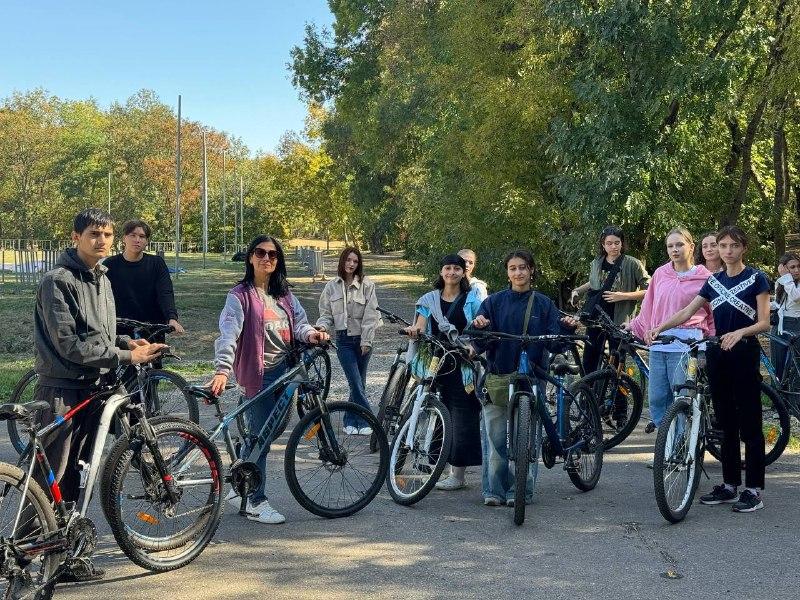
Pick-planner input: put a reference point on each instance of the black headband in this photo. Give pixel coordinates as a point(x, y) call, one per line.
point(453, 259)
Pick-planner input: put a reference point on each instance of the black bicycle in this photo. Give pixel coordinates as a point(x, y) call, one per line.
point(162, 519)
point(162, 392)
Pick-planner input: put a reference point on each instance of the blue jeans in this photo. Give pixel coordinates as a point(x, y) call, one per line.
point(667, 369)
point(255, 416)
point(497, 480)
point(354, 364)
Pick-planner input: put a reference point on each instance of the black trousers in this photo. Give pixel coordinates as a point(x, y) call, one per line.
point(71, 442)
point(735, 390)
point(593, 350)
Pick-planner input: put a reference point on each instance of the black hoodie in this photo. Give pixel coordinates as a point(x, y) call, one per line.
point(75, 330)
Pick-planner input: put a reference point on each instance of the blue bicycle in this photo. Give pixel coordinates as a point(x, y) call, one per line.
point(574, 431)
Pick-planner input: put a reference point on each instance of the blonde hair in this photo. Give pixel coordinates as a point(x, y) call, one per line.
point(683, 232)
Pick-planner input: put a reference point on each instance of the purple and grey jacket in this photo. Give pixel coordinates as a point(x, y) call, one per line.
point(240, 346)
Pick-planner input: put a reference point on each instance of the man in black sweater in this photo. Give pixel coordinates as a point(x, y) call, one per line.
point(141, 283)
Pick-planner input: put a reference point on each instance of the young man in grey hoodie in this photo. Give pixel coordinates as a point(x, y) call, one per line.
point(76, 342)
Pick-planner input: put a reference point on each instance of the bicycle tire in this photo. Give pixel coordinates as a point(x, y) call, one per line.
point(142, 547)
point(605, 385)
point(778, 429)
point(671, 434)
point(585, 475)
point(392, 396)
point(522, 454)
point(399, 455)
point(160, 404)
point(13, 477)
point(21, 394)
point(313, 427)
point(319, 371)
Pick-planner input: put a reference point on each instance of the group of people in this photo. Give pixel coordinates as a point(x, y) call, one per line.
point(699, 292)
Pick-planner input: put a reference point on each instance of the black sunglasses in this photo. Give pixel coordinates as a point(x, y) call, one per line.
point(261, 253)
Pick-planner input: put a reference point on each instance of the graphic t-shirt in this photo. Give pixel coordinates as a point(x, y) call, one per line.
point(733, 299)
point(277, 334)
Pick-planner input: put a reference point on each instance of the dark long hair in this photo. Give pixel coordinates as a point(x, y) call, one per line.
point(785, 260)
point(607, 231)
point(278, 285)
point(359, 272)
point(699, 259)
point(463, 285)
point(527, 257)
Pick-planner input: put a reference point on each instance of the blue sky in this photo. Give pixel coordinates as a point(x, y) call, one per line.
point(226, 59)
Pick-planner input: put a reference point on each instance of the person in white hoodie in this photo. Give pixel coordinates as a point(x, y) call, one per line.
point(787, 298)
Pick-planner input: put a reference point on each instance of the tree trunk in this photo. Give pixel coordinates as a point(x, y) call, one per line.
point(781, 187)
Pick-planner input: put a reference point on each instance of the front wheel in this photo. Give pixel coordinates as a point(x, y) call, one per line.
point(37, 525)
point(154, 531)
point(21, 394)
point(776, 424)
point(391, 399)
point(331, 473)
point(415, 467)
point(522, 453)
point(676, 464)
point(583, 427)
point(167, 395)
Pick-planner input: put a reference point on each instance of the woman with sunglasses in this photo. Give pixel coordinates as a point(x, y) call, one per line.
point(349, 306)
point(258, 325)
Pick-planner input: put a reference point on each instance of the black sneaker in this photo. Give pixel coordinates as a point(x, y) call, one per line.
point(719, 495)
point(650, 428)
point(748, 502)
point(80, 570)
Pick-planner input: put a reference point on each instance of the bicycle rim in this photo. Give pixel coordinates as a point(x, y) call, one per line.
point(583, 425)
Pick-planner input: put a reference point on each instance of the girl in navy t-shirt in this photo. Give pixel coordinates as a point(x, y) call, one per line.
point(739, 299)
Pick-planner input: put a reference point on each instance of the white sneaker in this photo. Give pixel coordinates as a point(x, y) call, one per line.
point(233, 499)
point(264, 513)
point(350, 430)
point(450, 484)
point(365, 431)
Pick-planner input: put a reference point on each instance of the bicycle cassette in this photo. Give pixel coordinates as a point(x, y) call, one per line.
point(82, 538)
point(548, 456)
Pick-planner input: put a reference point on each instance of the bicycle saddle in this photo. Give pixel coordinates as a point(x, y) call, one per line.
point(561, 368)
point(12, 412)
point(204, 392)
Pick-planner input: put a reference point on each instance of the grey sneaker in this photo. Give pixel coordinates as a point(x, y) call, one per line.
point(719, 495)
point(490, 501)
point(748, 502)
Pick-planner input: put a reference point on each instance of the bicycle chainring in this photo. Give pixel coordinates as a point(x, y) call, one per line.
point(245, 477)
point(82, 538)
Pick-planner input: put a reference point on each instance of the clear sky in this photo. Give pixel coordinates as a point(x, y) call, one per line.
point(226, 59)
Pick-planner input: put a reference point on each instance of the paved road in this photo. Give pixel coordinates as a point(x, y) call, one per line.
point(608, 543)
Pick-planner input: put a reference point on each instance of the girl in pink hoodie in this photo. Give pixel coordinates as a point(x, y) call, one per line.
point(673, 286)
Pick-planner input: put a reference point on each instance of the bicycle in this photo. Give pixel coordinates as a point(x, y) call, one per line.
point(316, 446)
point(788, 387)
point(161, 391)
point(390, 406)
point(421, 447)
point(574, 433)
point(162, 520)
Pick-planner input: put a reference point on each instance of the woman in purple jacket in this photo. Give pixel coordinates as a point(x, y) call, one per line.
point(258, 325)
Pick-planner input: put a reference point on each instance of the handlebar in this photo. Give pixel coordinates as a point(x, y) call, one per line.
point(145, 330)
point(393, 318)
point(668, 339)
point(525, 338)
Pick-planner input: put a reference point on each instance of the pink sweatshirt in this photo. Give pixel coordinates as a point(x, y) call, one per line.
point(667, 294)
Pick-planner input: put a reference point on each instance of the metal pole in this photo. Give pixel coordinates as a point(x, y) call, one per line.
point(178, 189)
point(224, 210)
point(109, 192)
point(241, 210)
point(205, 200)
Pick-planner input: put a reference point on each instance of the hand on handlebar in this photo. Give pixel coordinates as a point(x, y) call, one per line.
point(145, 352)
point(318, 337)
point(481, 322)
point(177, 327)
point(411, 331)
point(650, 335)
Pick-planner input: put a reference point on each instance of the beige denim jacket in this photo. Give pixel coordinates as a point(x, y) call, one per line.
point(354, 309)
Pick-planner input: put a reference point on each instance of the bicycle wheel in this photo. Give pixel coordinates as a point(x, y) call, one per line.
point(522, 454)
point(153, 532)
point(328, 483)
point(619, 399)
point(676, 465)
point(37, 524)
point(167, 395)
point(318, 365)
point(22, 394)
point(583, 425)
point(776, 425)
point(391, 399)
point(415, 469)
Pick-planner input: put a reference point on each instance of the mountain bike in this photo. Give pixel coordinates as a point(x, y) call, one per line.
point(329, 473)
point(161, 391)
point(574, 433)
point(788, 387)
point(390, 406)
point(161, 519)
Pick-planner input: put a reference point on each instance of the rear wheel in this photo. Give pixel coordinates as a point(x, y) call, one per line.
point(583, 425)
point(676, 465)
point(22, 394)
point(776, 424)
point(414, 469)
point(167, 395)
point(619, 400)
point(522, 454)
point(391, 399)
point(37, 523)
point(332, 483)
